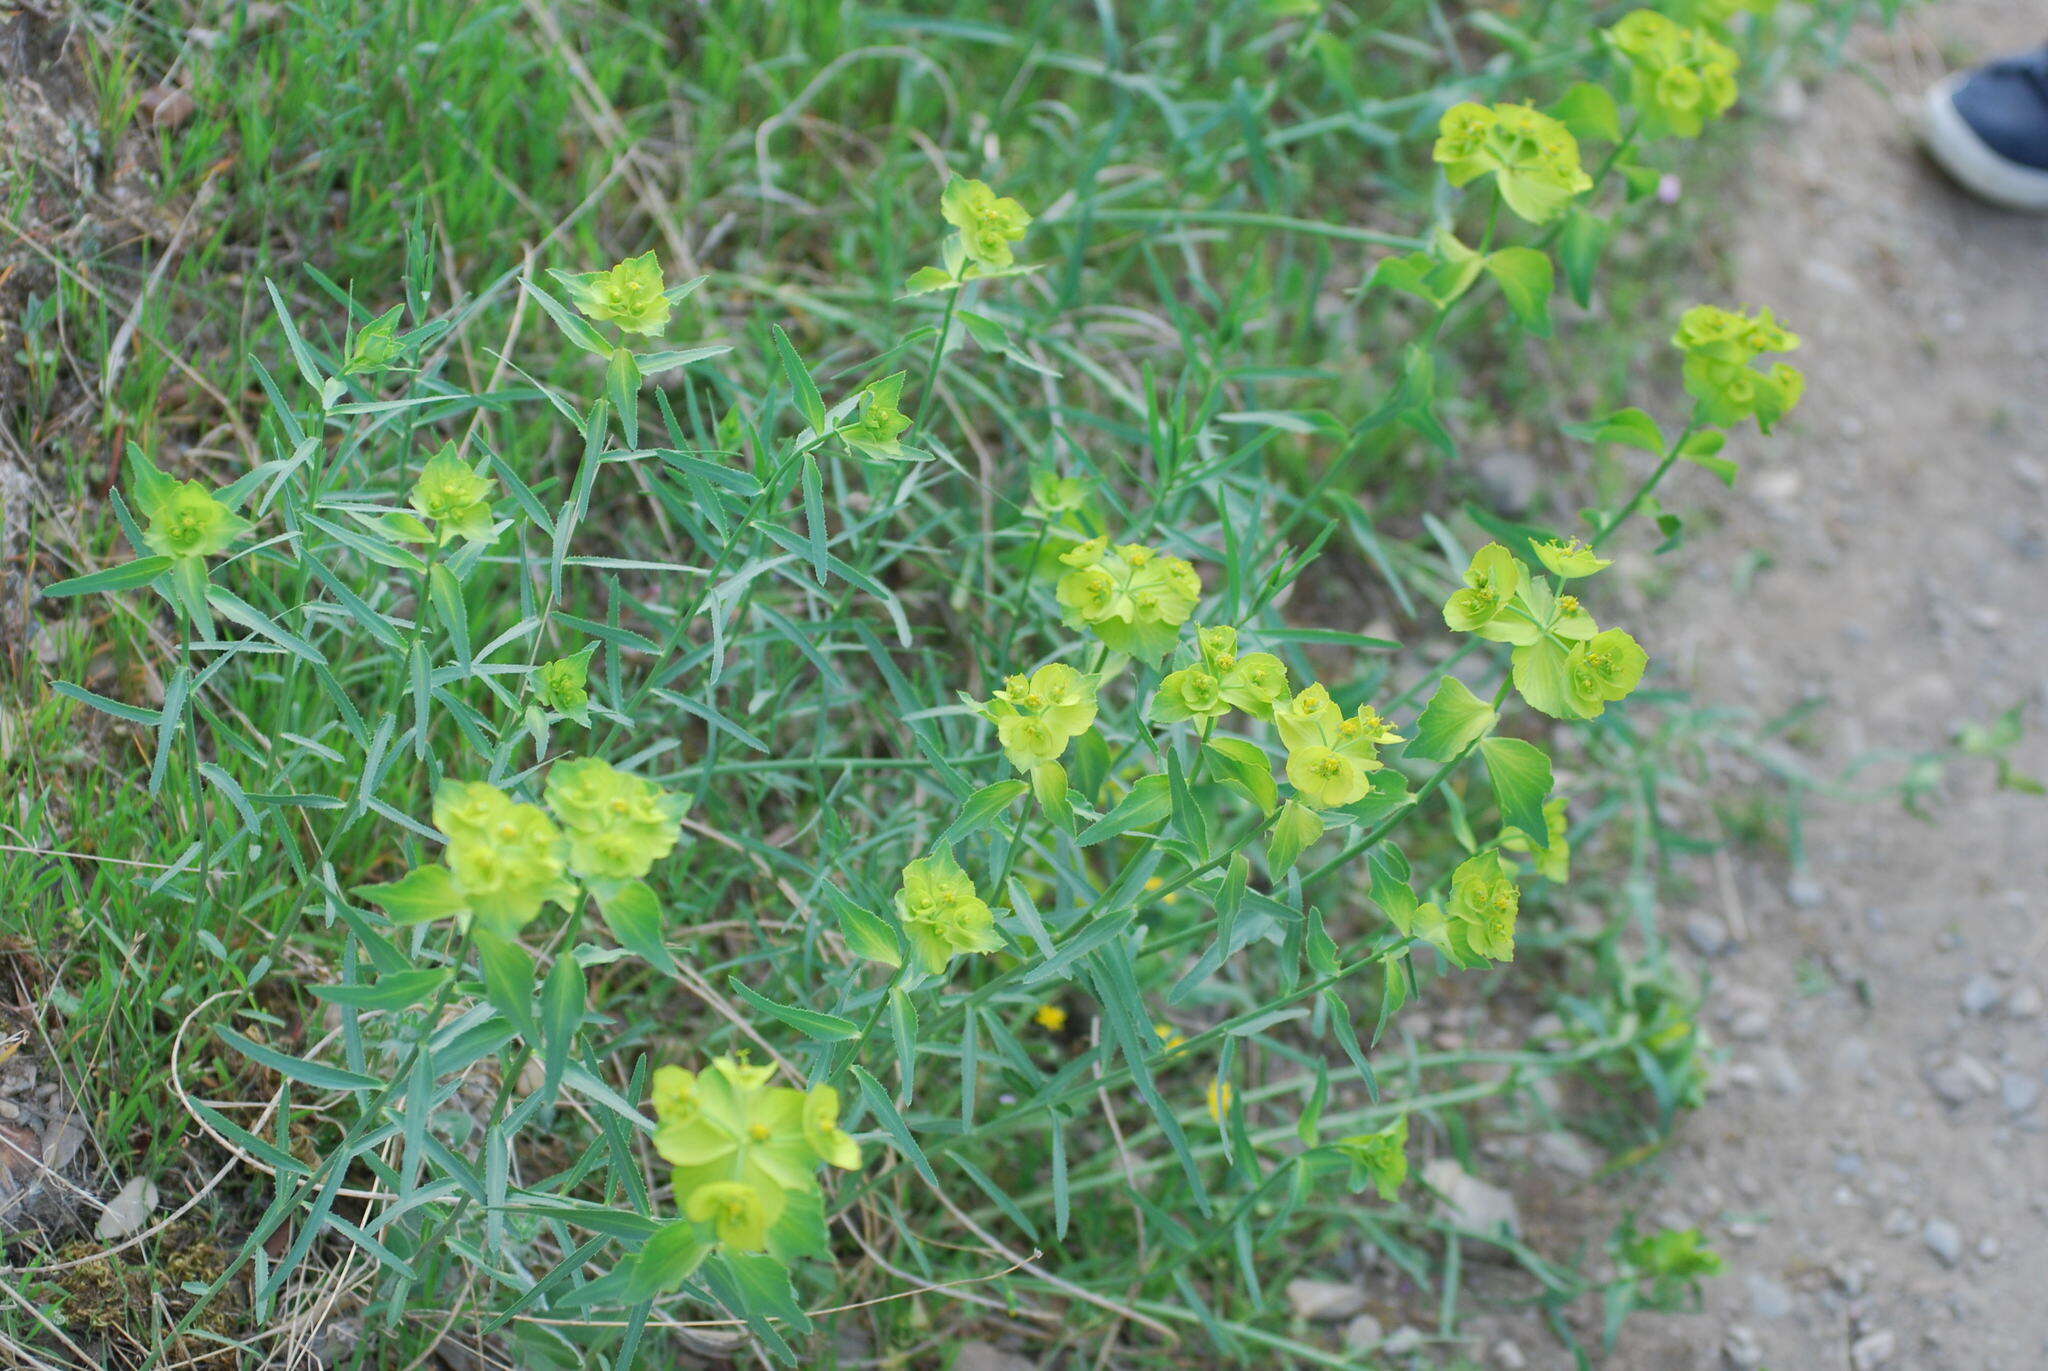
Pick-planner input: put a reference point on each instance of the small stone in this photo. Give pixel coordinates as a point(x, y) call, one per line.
point(2024, 1002)
point(1988, 1248)
point(1566, 1152)
point(1747, 1011)
point(1768, 1299)
point(1804, 891)
point(1740, 1349)
point(1469, 1203)
point(1363, 1334)
point(2019, 1091)
point(1980, 995)
point(1898, 1223)
point(1944, 1240)
point(1508, 1355)
point(1961, 1079)
point(1325, 1301)
point(1707, 934)
point(2030, 472)
point(1778, 1068)
point(1402, 1339)
point(1873, 1350)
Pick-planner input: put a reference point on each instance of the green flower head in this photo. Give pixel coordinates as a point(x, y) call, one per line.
point(1605, 667)
point(727, 1124)
point(1053, 494)
point(1134, 599)
point(941, 914)
point(1190, 693)
point(740, 1212)
point(508, 858)
point(1483, 905)
point(834, 1146)
point(1218, 644)
point(1037, 716)
point(629, 295)
point(879, 429)
point(1533, 158)
point(188, 520)
point(1379, 1159)
point(1310, 719)
point(1719, 347)
point(1679, 78)
point(454, 496)
point(1486, 605)
point(1255, 682)
point(1570, 560)
point(618, 824)
point(1328, 779)
point(563, 685)
point(988, 223)
point(376, 346)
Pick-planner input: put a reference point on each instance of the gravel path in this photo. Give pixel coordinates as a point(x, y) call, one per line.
point(1875, 1165)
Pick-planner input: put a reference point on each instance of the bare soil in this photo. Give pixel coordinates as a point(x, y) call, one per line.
point(1875, 1165)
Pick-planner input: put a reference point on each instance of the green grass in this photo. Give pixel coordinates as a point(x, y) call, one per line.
point(1213, 184)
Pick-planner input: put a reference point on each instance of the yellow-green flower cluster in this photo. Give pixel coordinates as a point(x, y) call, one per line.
point(631, 295)
point(1533, 157)
point(1679, 78)
point(455, 496)
point(1221, 681)
point(618, 825)
point(942, 914)
point(1379, 1159)
point(1330, 759)
point(878, 431)
point(508, 858)
point(741, 1147)
point(1477, 924)
point(187, 520)
point(1133, 597)
point(988, 223)
point(1482, 909)
point(1037, 716)
point(563, 685)
point(1719, 345)
point(1564, 665)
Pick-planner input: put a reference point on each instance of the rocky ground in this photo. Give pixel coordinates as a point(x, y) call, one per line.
point(1875, 1168)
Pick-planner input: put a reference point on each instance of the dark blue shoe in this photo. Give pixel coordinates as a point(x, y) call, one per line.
point(1989, 129)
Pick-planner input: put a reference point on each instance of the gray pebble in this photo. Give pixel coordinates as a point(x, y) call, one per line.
point(2021, 1092)
point(1707, 934)
point(1740, 1350)
point(2024, 1002)
point(1768, 1299)
point(1873, 1350)
point(1363, 1334)
point(1944, 1240)
point(1980, 995)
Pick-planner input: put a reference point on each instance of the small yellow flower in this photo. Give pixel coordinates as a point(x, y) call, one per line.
point(1220, 1096)
point(1171, 1036)
point(1153, 883)
point(1051, 1018)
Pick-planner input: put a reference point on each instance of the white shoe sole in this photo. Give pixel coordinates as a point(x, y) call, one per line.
point(1953, 143)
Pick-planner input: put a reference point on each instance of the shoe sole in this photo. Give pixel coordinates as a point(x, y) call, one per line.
point(1970, 160)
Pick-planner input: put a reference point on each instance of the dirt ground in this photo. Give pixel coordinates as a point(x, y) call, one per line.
point(1875, 1167)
